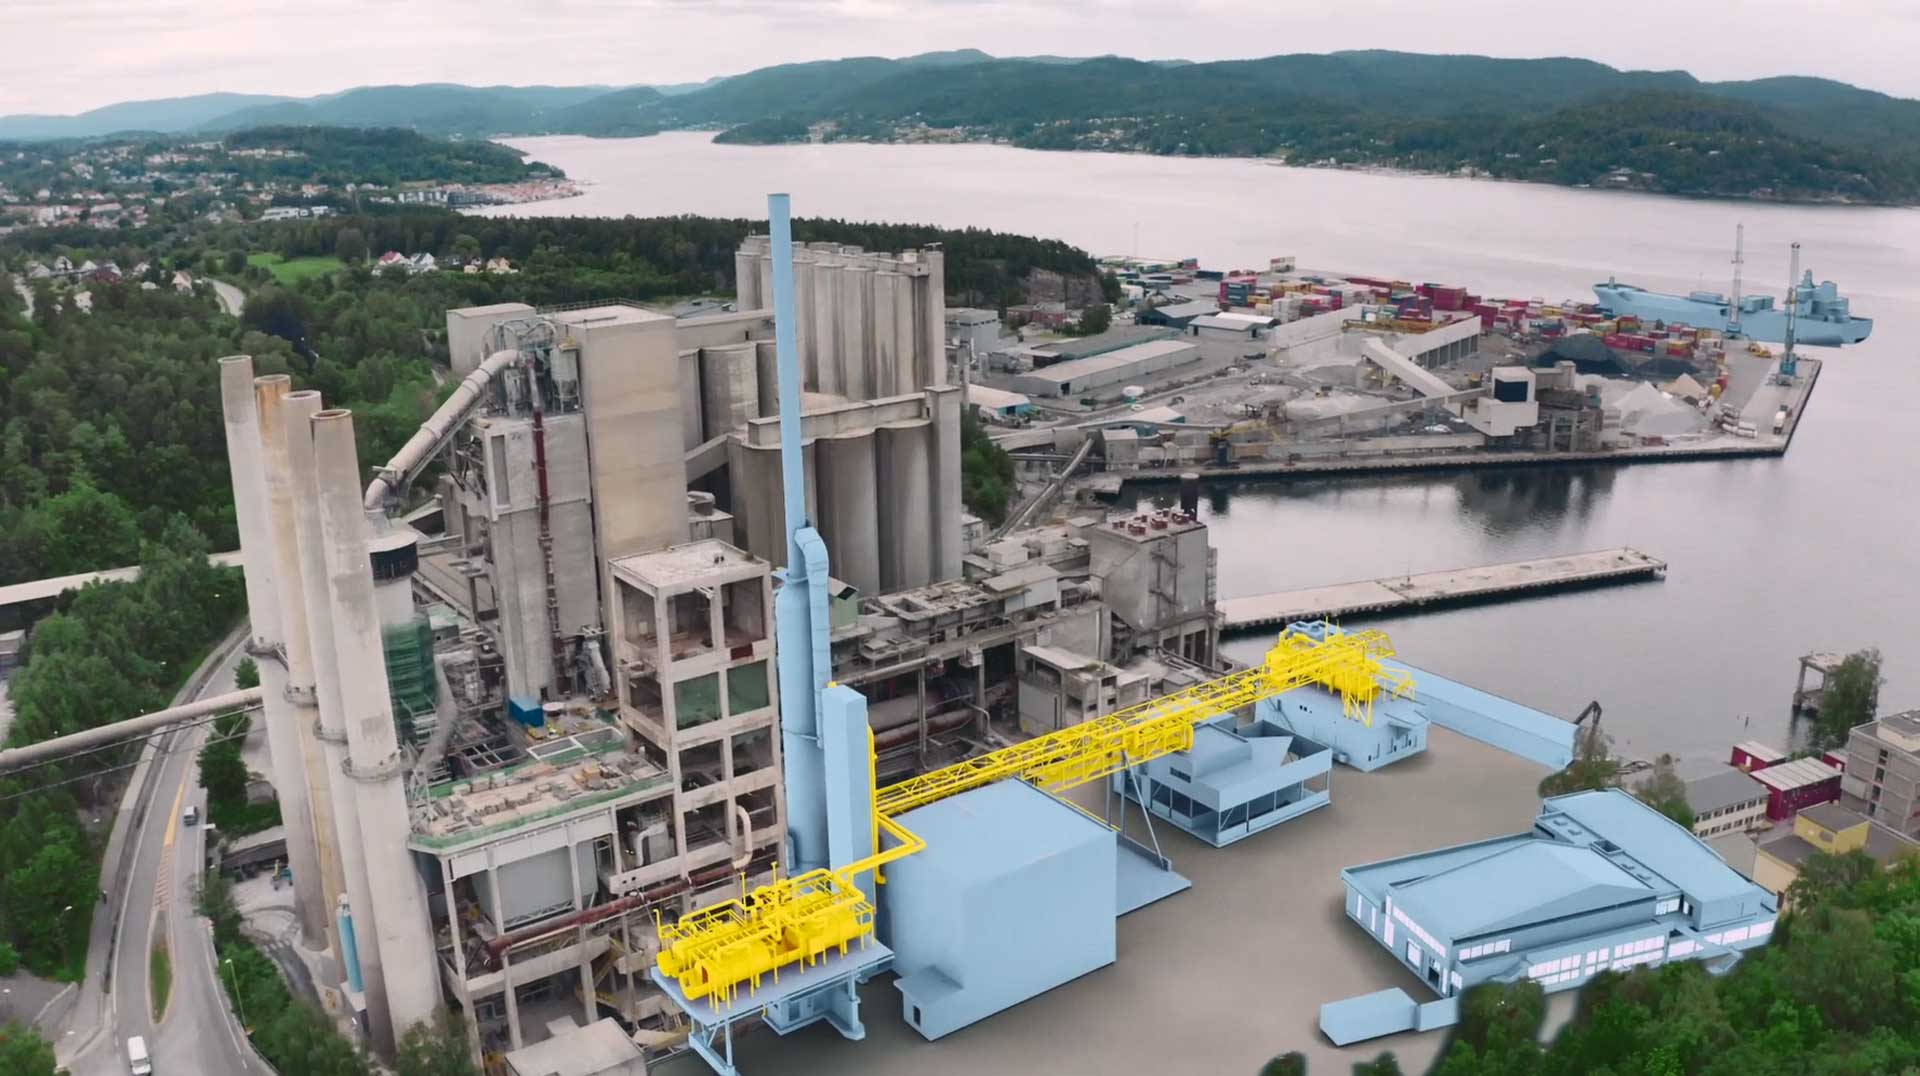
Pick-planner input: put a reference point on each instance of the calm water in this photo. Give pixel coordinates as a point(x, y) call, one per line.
point(1769, 559)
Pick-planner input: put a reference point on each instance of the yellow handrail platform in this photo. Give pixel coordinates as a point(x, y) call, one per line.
point(801, 919)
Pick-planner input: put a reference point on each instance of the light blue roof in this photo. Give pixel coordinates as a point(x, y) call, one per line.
point(1516, 885)
point(1660, 843)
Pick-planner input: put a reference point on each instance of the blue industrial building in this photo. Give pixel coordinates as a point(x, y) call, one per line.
point(1004, 904)
point(1398, 729)
point(1233, 783)
point(1602, 881)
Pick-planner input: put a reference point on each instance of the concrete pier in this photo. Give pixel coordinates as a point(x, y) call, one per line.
point(1406, 593)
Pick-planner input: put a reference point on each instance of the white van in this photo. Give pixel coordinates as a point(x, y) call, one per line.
point(137, 1061)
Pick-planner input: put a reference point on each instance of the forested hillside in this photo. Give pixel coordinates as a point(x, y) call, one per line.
point(1558, 120)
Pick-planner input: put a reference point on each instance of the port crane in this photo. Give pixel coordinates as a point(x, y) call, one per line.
point(800, 920)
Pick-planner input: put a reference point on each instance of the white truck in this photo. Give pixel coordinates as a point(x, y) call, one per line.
point(138, 1063)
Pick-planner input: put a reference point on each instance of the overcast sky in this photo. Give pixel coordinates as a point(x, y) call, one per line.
point(63, 56)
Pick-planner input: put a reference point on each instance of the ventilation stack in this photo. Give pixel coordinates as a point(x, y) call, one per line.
point(359, 943)
point(265, 642)
point(408, 968)
point(270, 394)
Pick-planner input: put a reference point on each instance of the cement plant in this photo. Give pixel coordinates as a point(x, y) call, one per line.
point(661, 700)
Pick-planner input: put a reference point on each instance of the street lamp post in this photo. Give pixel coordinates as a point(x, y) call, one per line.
point(238, 1005)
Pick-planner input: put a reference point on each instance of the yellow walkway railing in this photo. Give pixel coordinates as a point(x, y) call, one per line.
point(799, 920)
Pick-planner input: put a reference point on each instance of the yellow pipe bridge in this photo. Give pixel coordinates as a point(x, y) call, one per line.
point(800, 920)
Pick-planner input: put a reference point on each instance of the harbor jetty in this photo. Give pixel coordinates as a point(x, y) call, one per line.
point(1427, 590)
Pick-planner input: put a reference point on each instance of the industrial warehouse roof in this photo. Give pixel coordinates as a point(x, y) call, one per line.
point(1760, 751)
point(1073, 369)
point(995, 399)
point(1099, 343)
point(1514, 886)
point(1194, 309)
point(1233, 322)
point(1728, 788)
point(1799, 773)
point(1653, 839)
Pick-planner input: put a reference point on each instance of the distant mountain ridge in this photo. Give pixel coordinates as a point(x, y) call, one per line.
point(1589, 123)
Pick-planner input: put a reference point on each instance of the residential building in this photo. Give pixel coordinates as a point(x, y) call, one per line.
point(1730, 801)
point(1827, 827)
point(1882, 778)
point(1601, 881)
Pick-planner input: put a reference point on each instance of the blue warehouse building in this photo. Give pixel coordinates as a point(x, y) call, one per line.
point(1602, 881)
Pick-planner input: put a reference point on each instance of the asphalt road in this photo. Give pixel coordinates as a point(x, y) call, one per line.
point(197, 1033)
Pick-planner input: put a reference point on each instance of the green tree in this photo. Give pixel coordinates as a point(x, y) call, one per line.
point(224, 775)
point(1593, 766)
point(437, 1049)
point(246, 674)
point(1664, 791)
point(1095, 319)
point(85, 529)
point(1825, 875)
point(24, 1053)
point(236, 262)
point(9, 958)
point(466, 247)
point(52, 890)
point(1293, 1063)
point(350, 246)
point(1851, 698)
point(986, 472)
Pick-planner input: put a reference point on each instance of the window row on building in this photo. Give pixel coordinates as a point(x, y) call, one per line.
point(1475, 952)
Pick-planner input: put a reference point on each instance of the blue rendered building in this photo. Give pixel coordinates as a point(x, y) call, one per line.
point(1015, 894)
point(1233, 783)
point(1399, 728)
point(1602, 881)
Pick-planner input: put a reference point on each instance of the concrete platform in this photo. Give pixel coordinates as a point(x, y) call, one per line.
point(1263, 920)
point(1406, 593)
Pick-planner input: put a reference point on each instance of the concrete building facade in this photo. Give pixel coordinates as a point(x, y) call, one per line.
point(867, 324)
point(1882, 779)
point(883, 486)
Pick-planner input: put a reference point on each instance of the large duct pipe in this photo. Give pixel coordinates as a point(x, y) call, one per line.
point(265, 643)
point(73, 743)
point(269, 395)
point(435, 430)
point(363, 954)
point(407, 964)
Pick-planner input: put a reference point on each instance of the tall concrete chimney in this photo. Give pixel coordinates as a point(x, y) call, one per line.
point(298, 411)
point(265, 642)
point(269, 394)
point(407, 961)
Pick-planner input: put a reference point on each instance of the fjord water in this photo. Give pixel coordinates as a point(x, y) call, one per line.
point(1768, 558)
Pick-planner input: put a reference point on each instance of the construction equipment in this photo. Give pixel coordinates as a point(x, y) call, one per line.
point(800, 920)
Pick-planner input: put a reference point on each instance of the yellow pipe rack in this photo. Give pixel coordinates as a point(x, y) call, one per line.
point(799, 920)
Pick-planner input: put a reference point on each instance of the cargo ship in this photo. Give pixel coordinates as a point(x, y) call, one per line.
point(1823, 316)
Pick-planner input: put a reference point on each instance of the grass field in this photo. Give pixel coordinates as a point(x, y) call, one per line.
point(161, 970)
point(292, 272)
